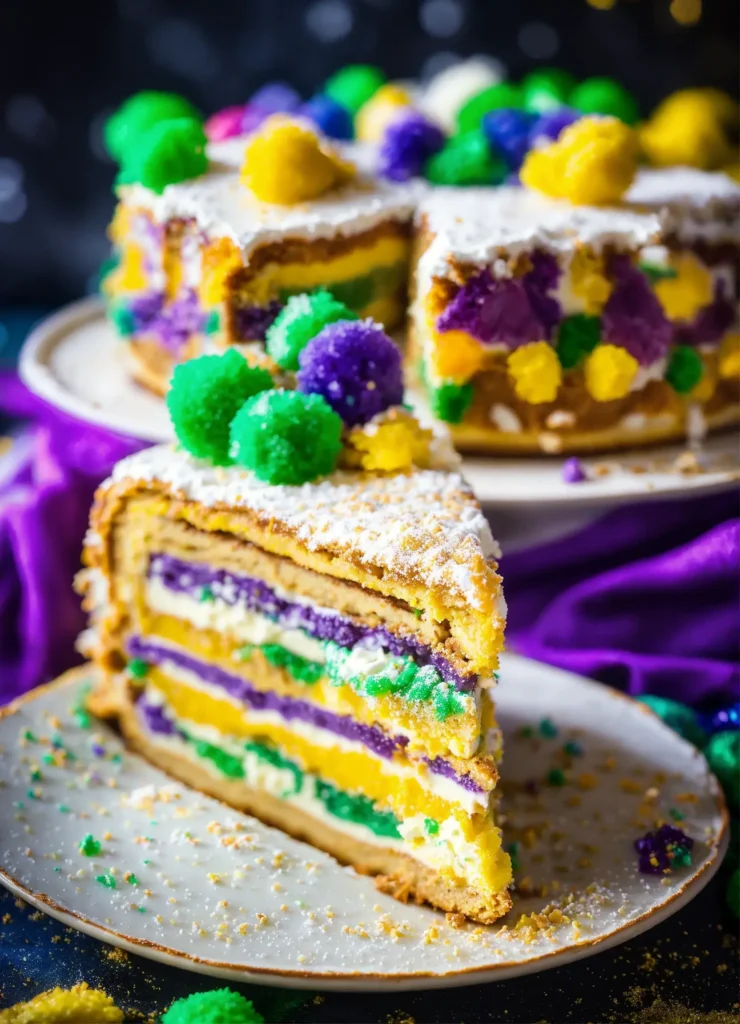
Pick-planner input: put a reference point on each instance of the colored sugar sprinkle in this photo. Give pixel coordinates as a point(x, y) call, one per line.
point(63, 809)
point(572, 749)
point(19, 805)
point(108, 881)
point(98, 750)
point(220, 1005)
point(131, 878)
point(676, 814)
point(513, 850)
point(301, 669)
point(35, 775)
point(547, 728)
point(431, 826)
point(206, 594)
point(33, 794)
point(556, 777)
point(28, 736)
point(660, 851)
point(572, 471)
point(90, 847)
point(137, 668)
point(418, 612)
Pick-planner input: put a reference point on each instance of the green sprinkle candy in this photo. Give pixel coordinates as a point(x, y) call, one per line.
point(107, 881)
point(218, 1005)
point(132, 879)
point(63, 809)
point(138, 114)
point(205, 396)
point(303, 317)
point(170, 152)
point(547, 89)
point(137, 668)
point(28, 736)
point(676, 815)
point(450, 402)
point(556, 777)
point(548, 729)
point(286, 437)
point(685, 369)
point(89, 846)
point(495, 97)
point(466, 159)
point(206, 594)
point(354, 85)
point(431, 826)
point(578, 336)
point(605, 96)
point(301, 669)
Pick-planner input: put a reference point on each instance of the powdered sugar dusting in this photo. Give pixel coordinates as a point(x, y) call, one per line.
point(425, 526)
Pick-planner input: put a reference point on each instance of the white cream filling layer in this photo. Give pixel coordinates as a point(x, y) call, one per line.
point(471, 802)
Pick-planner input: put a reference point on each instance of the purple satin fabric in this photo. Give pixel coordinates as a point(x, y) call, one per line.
point(44, 507)
point(645, 598)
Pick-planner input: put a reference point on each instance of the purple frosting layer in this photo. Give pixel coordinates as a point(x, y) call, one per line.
point(287, 707)
point(155, 719)
point(256, 595)
point(171, 323)
point(252, 322)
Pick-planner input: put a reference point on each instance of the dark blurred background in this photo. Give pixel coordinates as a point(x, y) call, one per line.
point(65, 66)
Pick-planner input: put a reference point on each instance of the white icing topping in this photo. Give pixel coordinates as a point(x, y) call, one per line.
point(425, 526)
point(223, 206)
point(696, 205)
point(474, 225)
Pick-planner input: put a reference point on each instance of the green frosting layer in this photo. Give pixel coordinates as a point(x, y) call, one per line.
point(301, 669)
point(355, 808)
point(358, 809)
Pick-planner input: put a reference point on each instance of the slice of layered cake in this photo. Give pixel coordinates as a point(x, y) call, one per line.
point(593, 308)
point(298, 611)
point(208, 252)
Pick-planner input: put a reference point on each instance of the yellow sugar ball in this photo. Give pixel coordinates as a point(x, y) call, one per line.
point(729, 357)
point(690, 128)
point(689, 291)
point(536, 372)
point(610, 372)
point(286, 163)
point(391, 442)
point(592, 163)
point(456, 357)
point(588, 280)
point(384, 107)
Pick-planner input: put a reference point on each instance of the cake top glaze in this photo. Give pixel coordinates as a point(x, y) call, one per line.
point(424, 527)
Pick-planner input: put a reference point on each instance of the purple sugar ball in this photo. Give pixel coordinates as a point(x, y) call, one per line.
point(548, 126)
point(355, 366)
point(407, 144)
point(276, 98)
point(252, 118)
point(330, 117)
point(507, 131)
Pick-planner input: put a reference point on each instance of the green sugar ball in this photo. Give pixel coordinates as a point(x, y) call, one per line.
point(681, 718)
point(578, 335)
point(465, 159)
point(286, 437)
point(354, 85)
point(605, 96)
point(723, 754)
point(546, 89)
point(169, 152)
point(495, 97)
point(220, 1006)
point(685, 369)
point(140, 113)
point(205, 395)
point(451, 401)
point(733, 892)
point(303, 317)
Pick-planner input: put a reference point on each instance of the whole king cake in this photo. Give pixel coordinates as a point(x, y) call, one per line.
point(297, 610)
point(562, 296)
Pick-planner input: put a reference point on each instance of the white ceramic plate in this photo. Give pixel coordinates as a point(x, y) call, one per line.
point(217, 892)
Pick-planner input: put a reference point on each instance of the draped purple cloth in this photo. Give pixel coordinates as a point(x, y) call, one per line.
point(45, 496)
point(644, 598)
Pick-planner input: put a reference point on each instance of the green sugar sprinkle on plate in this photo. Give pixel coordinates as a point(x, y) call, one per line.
point(108, 881)
point(90, 846)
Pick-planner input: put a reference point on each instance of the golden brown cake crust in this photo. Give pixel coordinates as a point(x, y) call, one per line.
point(395, 873)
